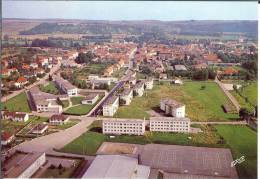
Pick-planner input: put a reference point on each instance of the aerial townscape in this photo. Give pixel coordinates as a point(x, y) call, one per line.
point(136, 99)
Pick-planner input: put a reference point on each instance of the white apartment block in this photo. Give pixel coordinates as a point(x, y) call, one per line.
point(110, 106)
point(148, 83)
point(169, 124)
point(66, 86)
point(126, 96)
point(172, 107)
point(123, 126)
point(139, 89)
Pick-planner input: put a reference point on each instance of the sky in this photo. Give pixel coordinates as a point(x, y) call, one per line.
point(130, 10)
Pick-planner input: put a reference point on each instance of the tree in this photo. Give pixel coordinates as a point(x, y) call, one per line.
point(244, 113)
point(50, 78)
point(60, 166)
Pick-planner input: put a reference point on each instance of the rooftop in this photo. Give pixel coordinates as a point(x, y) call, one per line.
point(172, 103)
point(64, 83)
point(169, 119)
point(111, 100)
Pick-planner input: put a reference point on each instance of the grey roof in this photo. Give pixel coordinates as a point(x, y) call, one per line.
point(91, 96)
point(115, 166)
point(172, 103)
point(180, 67)
point(139, 85)
point(67, 85)
point(126, 91)
point(169, 119)
point(111, 100)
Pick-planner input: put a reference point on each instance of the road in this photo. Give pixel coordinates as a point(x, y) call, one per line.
point(41, 81)
point(56, 140)
point(228, 94)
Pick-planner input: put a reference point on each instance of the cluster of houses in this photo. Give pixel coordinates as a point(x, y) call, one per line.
point(174, 121)
point(131, 89)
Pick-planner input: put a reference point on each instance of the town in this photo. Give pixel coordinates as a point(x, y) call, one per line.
point(80, 106)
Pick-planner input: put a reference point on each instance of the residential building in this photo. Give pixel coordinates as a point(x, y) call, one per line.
point(21, 81)
point(139, 89)
point(26, 166)
point(58, 119)
point(126, 97)
point(90, 99)
point(6, 138)
point(148, 83)
point(39, 129)
point(123, 126)
point(16, 116)
point(66, 86)
point(110, 106)
point(116, 166)
point(170, 124)
point(172, 107)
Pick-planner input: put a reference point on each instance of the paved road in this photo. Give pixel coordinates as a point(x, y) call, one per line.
point(229, 123)
point(41, 81)
point(228, 94)
point(56, 140)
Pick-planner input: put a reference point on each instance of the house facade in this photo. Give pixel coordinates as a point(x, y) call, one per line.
point(58, 119)
point(123, 126)
point(66, 86)
point(16, 116)
point(126, 96)
point(172, 107)
point(110, 106)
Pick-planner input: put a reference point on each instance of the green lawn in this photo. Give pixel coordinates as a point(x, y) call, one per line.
point(243, 142)
point(201, 105)
point(79, 110)
point(76, 100)
point(89, 142)
point(65, 103)
point(50, 88)
point(250, 92)
point(119, 73)
point(11, 127)
point(17, 103)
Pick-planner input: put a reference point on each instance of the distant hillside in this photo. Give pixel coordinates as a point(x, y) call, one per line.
point(248, 28)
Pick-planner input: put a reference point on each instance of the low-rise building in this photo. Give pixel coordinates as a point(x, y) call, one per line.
point(123, 126)
point(90, 99)
point(139, 89)
point(172, 107)
point(148, 83)
point(39, 129)
point(116, 166)
point(6, 138)
point(26, 166)
point(58, 119)
point(126, 97)
point(66, 86)
point(169, 124)
point(16, 116)
point(21, 81)
point(110, 106)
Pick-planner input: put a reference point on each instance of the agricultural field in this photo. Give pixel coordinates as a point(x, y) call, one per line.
point(89, 142)
point(17, 103)
point(243, 142)
point(201, 104)
point(49, 88)
point(247, 96)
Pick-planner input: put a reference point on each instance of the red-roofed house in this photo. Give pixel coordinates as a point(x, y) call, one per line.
point(16, 116)
point(6, 138)
point(21, 81)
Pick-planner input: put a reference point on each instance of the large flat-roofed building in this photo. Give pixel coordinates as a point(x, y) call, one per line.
point(139, 89)
point(172, 107)
point(123, 126)
point(66, 86)
point(23, 165)
point(110, 106)
point(116, 166)
point(169, 124)
point(126, 96)
point(45, 102)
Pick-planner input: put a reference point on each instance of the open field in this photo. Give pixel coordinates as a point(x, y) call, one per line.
point(50, 88)
point(89, 142)
point(76, 100)
point(249, 92)
point(201, 105)
point(17, 103)
point(243, 142)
